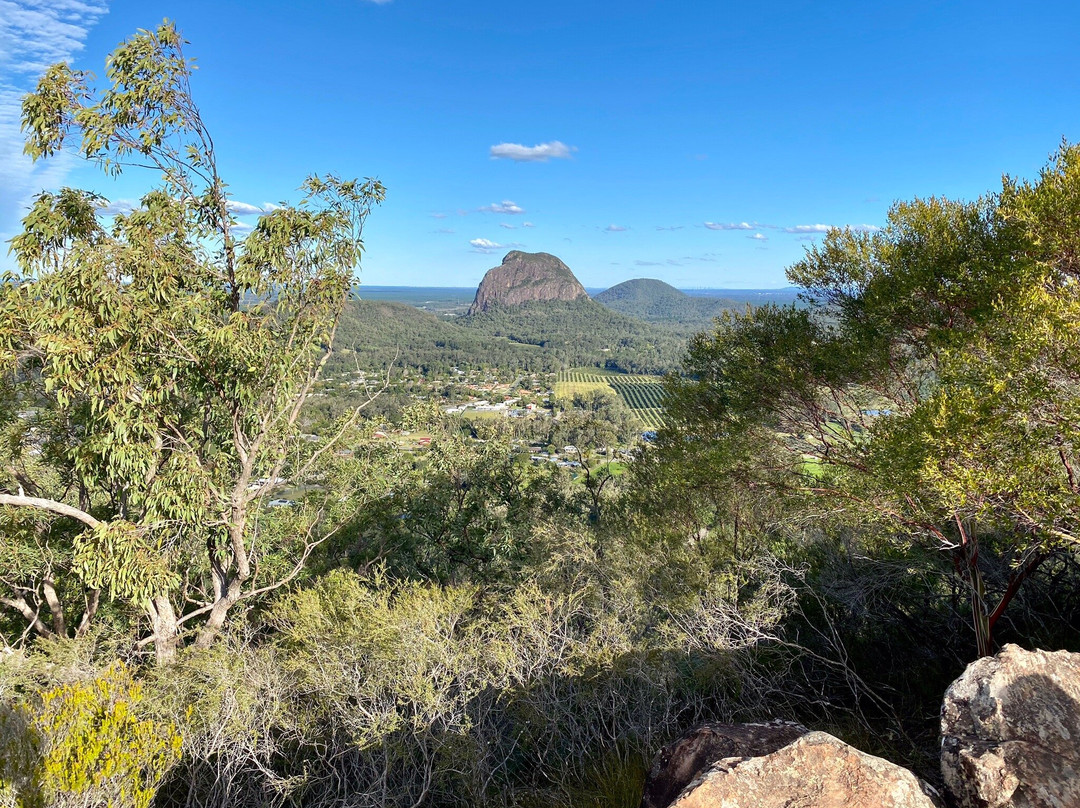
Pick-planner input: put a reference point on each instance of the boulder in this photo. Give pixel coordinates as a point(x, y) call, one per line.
point(685, 758)
point(815, 771)
point(1010, 728)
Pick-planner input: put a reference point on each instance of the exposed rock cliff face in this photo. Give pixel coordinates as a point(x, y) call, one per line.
point(524, 278)
point(1010, 731)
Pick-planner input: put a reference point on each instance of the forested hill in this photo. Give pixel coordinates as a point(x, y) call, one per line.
point(541, 336)
point(583, 332)
point(536, 337)
point(657, 302)
point(376, 334)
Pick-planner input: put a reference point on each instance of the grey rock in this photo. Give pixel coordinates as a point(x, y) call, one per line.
point(1010, 728)
point(526, 278)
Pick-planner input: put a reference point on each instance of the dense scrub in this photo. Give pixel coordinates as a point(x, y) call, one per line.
point(847, 502)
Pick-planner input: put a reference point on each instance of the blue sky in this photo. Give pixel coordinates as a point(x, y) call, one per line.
point(698, 142)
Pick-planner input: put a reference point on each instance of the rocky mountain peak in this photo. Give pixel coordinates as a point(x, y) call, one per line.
point(526, 278)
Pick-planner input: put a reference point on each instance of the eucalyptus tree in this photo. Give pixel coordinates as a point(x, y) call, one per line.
point(156, 369)
point(931, 386)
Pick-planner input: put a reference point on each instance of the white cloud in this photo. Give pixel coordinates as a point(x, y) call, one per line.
point(33, 35)
point(241, 229)
point(730, 226)
point(614, 228)
point(759, 237)
point(825, 228)
point(673, 227)
point(527, 224)
point(116, 207)
point(244, 208)
point(508, 226)
point(506, 206)
point(484, 245)
point(540, 153)
point(809, 228)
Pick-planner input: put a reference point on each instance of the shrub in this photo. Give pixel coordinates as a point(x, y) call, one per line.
point(84, 744)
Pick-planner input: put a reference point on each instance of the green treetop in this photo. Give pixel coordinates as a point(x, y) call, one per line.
point(160, 364)
point(933, 386)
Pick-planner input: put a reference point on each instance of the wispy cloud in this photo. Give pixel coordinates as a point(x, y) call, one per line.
point(540, 153)
point(33, 35)
point(670, 262)
point(673, 227)
point(508, 226)
point(506, 206)
point(809, 228)
point(486, 245)
point(125, 206)
point(614, 228)
point(446, 230)
point(527, 224)
point(759, 237)
point(117, 207)
point(825, 228)
point(730, 226)
point(438, 216)
point(237, 208)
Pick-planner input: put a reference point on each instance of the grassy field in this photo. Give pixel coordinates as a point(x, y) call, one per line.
point(642, 394)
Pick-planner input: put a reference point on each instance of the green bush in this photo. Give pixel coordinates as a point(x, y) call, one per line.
point(84, 744)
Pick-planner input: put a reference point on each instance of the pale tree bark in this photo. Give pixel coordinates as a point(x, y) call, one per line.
point(32, 616)
point(166, 628)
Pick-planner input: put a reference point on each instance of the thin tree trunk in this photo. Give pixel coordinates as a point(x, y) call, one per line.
point(216, 621)
point(166, 629)
point(55, 607)
point(92, 603)
point(980, 616)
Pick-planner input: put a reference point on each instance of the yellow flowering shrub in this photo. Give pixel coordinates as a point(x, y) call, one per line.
point(84, 745)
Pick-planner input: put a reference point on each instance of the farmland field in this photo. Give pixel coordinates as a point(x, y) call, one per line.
point(642, 394)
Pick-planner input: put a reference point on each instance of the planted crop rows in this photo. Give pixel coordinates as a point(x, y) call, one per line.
point(642, 394)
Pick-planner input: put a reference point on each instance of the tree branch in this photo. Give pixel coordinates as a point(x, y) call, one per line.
point(23, 501)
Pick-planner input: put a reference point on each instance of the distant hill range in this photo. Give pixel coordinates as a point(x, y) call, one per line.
point(526, 278)
point(532, 313)
point(657, 302)
point(534, 299)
